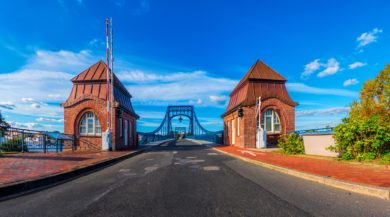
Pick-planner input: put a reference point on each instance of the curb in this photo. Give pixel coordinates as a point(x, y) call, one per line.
point(26, 187)
point(380, 192)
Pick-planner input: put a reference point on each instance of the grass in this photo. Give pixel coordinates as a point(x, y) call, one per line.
point(9, 152)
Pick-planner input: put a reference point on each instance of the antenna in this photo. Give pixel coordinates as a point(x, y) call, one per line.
point(111, 68)
point(108, 76)
point(107, 136)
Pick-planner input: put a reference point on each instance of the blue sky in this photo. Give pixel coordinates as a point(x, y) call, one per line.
point(190, 52)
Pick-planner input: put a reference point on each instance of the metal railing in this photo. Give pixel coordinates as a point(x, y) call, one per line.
point(25, 140)
point(326, 130)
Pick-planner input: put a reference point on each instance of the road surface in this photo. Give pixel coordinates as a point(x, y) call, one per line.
point(183, 178)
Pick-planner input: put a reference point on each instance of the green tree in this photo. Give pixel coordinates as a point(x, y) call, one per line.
point(3, 123)
point(365, 133)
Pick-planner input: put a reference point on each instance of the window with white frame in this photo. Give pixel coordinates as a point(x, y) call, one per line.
point(271, 121)
point(90, 125)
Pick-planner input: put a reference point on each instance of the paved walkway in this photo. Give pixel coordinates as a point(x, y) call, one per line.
point(28, 166)
point(371, 175)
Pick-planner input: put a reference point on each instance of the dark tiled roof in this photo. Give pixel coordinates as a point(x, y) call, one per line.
point(262, 81)
point(260, 71)
point(92, 82)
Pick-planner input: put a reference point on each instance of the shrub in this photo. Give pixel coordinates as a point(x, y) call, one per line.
point(291, 144)
point(386, 157)
point(13, 145)
point(365, 133)
point(363, 139)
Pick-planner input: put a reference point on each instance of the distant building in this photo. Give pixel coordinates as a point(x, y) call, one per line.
point(277, 108)
point(85, 111)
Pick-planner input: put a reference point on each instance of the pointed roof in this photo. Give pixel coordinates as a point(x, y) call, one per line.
point(260, 71)
point(97, 73)
point(92, 82)
point(260, 80)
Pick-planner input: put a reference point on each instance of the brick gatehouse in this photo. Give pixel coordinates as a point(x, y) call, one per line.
point(277, 108)
point(85, 111)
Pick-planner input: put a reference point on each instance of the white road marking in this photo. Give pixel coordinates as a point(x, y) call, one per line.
point(248, 152)
point(195, 161)
point(189, 157)
point(150, 169)
point(124, 170)
point(212, 154)
point(211, 168)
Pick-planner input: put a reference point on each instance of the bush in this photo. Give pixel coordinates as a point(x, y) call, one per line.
point(291, 144)
point(13, 145)
point(386, 157)
point(365, 133)
point(363, 139)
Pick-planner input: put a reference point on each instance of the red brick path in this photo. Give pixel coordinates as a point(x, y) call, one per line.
point(20, 167)
point(371, 175)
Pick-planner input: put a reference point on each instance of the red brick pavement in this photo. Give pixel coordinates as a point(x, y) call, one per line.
point(371, 175)
point(28, 166)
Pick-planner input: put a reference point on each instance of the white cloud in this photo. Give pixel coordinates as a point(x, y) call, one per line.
point(7, 105)
point(148, 123)
point(328, 111)
point(44, 78)
point(210, 121)
point(151, 114)
point(331, 67)
point(303, 88)
point(42, 119)
point(54, 96)
point(61, 61)
point(221, 100)
point(30, 126)
point(137, 76)
point(174, 87)
point(349, 82)
point(96, 43)
point(367, 38)
point(311, 67)
point(35, 105)
point(198, 102)
point(356, 65)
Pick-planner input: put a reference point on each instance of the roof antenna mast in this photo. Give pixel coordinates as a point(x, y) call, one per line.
point(107, 140)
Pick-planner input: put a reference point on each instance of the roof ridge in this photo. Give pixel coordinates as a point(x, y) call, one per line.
point(264, 72)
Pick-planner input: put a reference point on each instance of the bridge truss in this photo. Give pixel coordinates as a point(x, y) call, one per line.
point(195, 129)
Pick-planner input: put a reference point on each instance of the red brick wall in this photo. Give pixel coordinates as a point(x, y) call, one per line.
point(120, 140)
point(74, 113)
point(247, 136)
point(72, 117)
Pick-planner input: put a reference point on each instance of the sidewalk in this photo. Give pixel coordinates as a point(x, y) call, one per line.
point(16, 168)
point(355, 176)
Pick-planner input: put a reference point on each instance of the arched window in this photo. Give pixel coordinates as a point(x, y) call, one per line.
point(90, 125)
point(271, 121)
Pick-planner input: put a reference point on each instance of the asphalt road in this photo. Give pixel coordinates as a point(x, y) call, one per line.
point(186, 179)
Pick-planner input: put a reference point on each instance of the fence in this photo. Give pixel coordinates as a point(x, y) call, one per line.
point(24, 140)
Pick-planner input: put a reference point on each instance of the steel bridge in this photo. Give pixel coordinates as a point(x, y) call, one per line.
point(195, 129)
